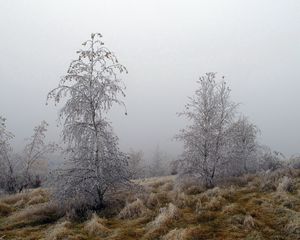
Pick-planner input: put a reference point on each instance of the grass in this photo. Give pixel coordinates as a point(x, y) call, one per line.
point(252, 208)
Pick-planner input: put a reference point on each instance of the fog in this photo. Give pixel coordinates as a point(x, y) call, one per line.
point(166, 46)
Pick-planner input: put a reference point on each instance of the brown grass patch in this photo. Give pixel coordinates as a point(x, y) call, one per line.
point(134, 210)
point(60, 231)
point(5, 209)
point(36, 214)
point(95, 227)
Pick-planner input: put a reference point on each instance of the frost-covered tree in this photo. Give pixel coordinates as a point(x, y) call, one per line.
point(242, 147)
point(26, 170)
point(269, 160)
point(157, 165)
point(136, 164)
point(34, 157)
point(211, 113)
point(95, 166)
point(8, 176)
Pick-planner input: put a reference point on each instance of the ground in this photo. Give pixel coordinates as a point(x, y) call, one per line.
point(265, 206)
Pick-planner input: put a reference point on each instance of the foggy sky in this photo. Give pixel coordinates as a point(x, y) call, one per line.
point(166, 46)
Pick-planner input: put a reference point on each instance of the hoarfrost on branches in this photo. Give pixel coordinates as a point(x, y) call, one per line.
point(91, 86)
point(214, 141)
point(26, 170)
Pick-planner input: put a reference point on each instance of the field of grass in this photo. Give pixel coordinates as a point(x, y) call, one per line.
point(251, 207)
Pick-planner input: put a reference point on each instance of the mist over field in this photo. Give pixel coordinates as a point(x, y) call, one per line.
point(166, 46)
point(149, 120)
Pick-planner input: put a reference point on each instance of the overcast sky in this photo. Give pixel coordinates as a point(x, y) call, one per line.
point(166, 46)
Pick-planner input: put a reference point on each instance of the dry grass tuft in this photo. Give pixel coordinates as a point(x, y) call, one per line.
point(213, 192)
point(175, 234)
point(36, 214)
point(215, 204)
point(293, 226)
point(152, 201)
point(182, 200)
point(37, 199)
point(20, 204)
point(95, 227)
point(166, 216)
point(29, 197)
point(14, 198)
point(195, 189)
point(59, 231)
point(249, 222)
point(134, 210)
point(168, 186)
point(286, 184)
point(5, 209)
point(233, 209)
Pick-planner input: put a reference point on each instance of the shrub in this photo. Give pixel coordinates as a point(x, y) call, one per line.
point(294, 162)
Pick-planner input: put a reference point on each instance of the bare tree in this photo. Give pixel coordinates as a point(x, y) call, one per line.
point(95, 164)
point(211, 113)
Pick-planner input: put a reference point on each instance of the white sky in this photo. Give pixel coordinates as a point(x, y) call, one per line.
point(166, 46)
